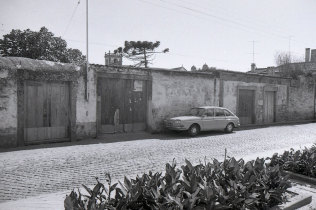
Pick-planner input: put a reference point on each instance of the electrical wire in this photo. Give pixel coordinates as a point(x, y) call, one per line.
point(72, 15)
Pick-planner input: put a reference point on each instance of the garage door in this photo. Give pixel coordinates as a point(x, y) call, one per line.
point(123, 105)
point(46, 112)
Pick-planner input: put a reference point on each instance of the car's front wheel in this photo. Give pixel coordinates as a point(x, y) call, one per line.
point(194, 130)
point(229, 128)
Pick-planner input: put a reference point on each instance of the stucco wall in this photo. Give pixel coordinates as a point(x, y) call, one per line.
point(175, 93)
point(230, 98)
point(301, 100)
point(8, 109)
point(86, 109)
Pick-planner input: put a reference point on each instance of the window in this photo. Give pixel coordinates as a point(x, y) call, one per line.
point(219, 113)
point(210, 113)
point(197, 111)
point(228, 113)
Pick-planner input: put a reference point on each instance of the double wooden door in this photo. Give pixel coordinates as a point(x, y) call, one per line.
point(46, 112)
point(122, 105)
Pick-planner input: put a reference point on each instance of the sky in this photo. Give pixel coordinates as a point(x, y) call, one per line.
point(221, 33)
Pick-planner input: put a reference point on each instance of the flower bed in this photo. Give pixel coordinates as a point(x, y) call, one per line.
point(230, 184)
point(301, 161)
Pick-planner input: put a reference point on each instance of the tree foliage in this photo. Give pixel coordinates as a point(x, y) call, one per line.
point(286, 65)
point(282, 58)
point(141, 52)
point(42, 45)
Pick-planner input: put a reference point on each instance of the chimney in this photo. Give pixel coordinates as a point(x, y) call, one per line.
point(313, 55)
point(307, 54)
point(253, 67)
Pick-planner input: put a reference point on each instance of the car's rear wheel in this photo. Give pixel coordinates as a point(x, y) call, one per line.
point(229, 128)
point(194, 130)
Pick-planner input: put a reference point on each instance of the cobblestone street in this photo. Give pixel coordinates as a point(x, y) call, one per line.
point(34, 172)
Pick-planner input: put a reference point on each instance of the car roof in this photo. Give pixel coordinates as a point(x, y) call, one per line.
point(208, 107)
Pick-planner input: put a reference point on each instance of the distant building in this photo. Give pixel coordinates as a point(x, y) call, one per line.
point(112, 59)
point(179, 69)
point(309, 66)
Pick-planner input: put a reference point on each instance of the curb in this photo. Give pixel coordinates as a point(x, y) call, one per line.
point(299, 177)
point(284, 123)
point(298, 204)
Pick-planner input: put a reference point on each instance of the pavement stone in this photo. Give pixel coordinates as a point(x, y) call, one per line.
point(34, 172)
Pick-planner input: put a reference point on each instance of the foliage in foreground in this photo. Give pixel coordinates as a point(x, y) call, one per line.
point(230, 184)
point(300, 161)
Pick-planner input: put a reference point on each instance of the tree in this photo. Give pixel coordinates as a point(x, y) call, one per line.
point(42, 45)
point(282, 58)
point(193, 68)
point(285, 63)
point(140, 52)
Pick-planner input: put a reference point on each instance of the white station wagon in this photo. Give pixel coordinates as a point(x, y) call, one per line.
point(204, 118)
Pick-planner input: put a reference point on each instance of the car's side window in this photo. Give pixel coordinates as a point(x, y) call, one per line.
point(219, 113)
point(227, 113)
point(210, 113)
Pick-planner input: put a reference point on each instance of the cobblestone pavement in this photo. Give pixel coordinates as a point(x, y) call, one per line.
point(38, 171)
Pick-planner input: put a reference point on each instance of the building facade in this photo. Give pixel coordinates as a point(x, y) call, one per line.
point(43, 101)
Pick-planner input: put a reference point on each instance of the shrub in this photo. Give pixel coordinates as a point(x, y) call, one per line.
point(300, 161)
point(230, 184)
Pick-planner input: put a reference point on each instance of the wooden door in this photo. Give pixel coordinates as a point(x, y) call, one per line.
point(123, 101)
point(269, 106)
point(246, 106)
point(46, 112)
point(112, 100)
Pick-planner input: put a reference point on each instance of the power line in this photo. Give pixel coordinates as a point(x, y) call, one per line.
point(72, 15)
point(230, 11)
point(93, 43)
point(180, 12)
point(245, 27)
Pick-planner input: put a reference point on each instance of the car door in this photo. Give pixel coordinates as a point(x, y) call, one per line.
point(208, 120)
point(220, 119)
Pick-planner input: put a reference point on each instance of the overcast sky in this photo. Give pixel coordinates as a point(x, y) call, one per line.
point(216, 32)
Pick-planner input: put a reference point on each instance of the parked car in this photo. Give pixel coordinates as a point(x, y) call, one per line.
point(204, 118)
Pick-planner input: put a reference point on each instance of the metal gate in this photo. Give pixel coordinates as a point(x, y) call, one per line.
point(46, 112)
point(122, 105)
point(269, 106)
point(246, 106)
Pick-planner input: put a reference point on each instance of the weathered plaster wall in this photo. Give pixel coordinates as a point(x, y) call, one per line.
point(8, 109)
point(230, 98)
point(86, 108)
point(301, 100)
point(175, 93)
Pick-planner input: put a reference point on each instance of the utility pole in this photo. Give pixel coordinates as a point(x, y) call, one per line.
point(87, 52)
point(87, 35)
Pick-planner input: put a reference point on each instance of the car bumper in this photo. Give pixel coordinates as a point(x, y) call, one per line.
point(177, 128)
point(169, 125)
